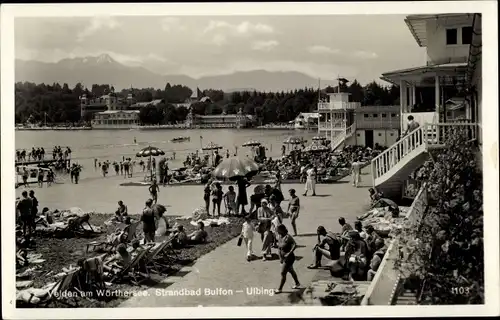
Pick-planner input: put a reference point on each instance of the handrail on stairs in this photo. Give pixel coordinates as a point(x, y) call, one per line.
point(428, 134)
point(346, 133)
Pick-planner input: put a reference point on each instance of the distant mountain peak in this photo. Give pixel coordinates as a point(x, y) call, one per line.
point(104, 58)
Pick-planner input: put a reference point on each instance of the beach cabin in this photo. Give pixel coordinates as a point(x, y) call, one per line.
point(446, 89)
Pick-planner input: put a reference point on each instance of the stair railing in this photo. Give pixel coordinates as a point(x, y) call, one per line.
point(429, 134)
point(385, 161)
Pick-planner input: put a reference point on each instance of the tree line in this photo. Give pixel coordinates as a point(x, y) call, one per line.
point(54, 103)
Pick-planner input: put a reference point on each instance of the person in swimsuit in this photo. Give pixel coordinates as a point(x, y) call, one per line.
point(286, 247)
point(153, 190)
point(40, 178)
point(293, 209)
point(242, 199)
point(148, 222)
point(206, 195)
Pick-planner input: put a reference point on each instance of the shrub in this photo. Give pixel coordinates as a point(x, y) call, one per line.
point(446, 250)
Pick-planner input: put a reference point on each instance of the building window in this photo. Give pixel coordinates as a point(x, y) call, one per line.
point(375, 115)
point(392, 134)
point(379, 134)
point(451, 36)
point(393, 115)
point(466, 35)
point(359, 135)
point(365, 115)
point(384, 115)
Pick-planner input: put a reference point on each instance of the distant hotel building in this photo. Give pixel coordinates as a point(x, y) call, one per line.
point(239, 120)
point(117, 113)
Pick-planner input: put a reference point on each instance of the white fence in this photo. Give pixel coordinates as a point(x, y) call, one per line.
point(384, 286)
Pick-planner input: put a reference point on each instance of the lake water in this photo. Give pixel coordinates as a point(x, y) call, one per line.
point(114, 144)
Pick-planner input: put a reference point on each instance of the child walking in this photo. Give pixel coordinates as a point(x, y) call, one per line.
point(247, 235)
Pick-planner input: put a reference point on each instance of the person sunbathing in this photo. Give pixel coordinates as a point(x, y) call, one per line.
point(121, 212)
point(376, 259)
point(136, 248)
point(332, 250)
point(356, 256)
point(121, 259)
point(199, 236)
point(181, 238)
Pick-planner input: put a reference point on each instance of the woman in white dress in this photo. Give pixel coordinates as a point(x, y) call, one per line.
point(310, 181)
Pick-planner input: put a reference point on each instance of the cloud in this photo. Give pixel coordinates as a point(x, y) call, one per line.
point(365, 54)
point(265, 45)
point(171, 23)
point(243, 28)
point(96, 24)
point(219, 39)
point(322, 50)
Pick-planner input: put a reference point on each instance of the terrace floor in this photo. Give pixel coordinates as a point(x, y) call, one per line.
point(225, 269)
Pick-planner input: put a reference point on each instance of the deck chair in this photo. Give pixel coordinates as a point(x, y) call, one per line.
point(130, 232)
point(93, 273)
point(75, 226)
point(56, 293)
point(132, 269)
point(152, 261)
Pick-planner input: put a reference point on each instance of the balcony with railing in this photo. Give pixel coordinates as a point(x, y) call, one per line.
point(337, 105)
point(334, 124)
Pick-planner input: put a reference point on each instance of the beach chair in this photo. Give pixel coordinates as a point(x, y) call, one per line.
point(92, 273)
point(152, 261)
point(133, 269)
point(75, 226)
point(61, 289)
point(130, 231)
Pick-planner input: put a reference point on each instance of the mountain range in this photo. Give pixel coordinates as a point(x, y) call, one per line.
point(103, 69)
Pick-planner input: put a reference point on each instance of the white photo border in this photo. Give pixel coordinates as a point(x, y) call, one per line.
point(488, 9)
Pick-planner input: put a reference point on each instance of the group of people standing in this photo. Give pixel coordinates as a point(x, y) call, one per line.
point(26, 211)
point(273, 233)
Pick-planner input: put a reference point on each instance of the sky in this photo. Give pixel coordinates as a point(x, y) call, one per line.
point(352, 46)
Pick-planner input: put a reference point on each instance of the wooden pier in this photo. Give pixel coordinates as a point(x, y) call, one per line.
point(43, 163)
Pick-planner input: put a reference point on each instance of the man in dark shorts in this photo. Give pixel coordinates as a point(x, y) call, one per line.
point(34, 208)
point(25, 207)
point(148, 222)
point(153, 190)
point(331, 241)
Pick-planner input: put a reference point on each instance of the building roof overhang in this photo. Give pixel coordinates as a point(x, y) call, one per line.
point(418, 23)
point(418, 73)
point(475, 48)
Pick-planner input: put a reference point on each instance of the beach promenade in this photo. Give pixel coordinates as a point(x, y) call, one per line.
point(227, 274)
point(225, 268)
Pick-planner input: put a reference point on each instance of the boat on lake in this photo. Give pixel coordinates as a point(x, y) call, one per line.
point(181, 139)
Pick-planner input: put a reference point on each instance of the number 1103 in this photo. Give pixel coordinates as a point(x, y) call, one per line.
point(460, 290)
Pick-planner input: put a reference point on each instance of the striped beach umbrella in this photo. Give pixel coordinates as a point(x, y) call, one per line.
point(211, 146)
point(294, 140)
point(316, 148)
point(233, 168)
point(251, 143)
point(150, 152)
